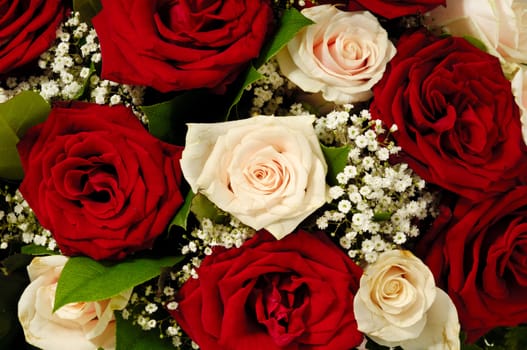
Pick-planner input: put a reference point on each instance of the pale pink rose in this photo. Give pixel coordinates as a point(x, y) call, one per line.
point(499, 24)
point(398, 304)
point(79, 326)
point(343, 55)
point(268, 172)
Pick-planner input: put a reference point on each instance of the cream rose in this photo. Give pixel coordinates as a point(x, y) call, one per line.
point(343, 55)
point(398, 304)
point(269, 172)
point(79, 326)
point(519, 89)
point(499, 24)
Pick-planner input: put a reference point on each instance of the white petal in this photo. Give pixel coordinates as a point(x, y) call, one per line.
point(442, 327)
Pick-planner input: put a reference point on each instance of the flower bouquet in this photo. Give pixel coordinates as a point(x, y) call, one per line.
point(257, 174)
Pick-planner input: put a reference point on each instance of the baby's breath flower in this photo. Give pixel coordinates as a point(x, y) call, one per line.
point(19, 224)
point(399, 238)
point(151, 308)
point(115, 99)
point(345, 242)
point(342, 178)
point(344, 206)
point(361, 141)
point(322, 223)
point(268, 93)
point(370, 257)
point(336, 192)
point(383, 200)
point(67, 72)
point(125, 314)
point(173, 305)
point(172, 331)
point(168, 291)
point(151, 324)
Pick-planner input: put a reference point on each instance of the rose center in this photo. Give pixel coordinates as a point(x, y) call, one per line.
point(352, 50)
point(392, 289)
point(266, 177)
point(96, 184)
point(193, 16)
point(278, 302)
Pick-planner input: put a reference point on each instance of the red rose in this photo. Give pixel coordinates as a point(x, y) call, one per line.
point(99, 181)
point(394, 8)
point(27, 28)
point(295, 293)
point(459, 126)
point(480, 259)
point(180, 45)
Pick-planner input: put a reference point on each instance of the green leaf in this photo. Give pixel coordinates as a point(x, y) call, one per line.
point(17, 115)
point(470, 347)
point(464, 345)
point(87, 9)
point(337, 159)
point(476, 42)
point(161, 118)
point(516, 338)
point(167, 119)
point(202, 207)
point(251, 76)
point(382, 216)
point(85, 83)
point(291, 22)
point(130, 337)
point(182, 215)
point(84, 279)
point(33, 249)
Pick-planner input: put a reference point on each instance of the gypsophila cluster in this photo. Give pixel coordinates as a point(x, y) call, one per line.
point(149, 302)
point(202, 240)
point(274, 94)
point(269, 92)
point(68, 71)
point(147, 308)
point(18, 224)
point(375, 206)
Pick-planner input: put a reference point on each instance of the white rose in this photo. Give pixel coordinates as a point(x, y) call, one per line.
point(499, 24)
point(269, 172)
point(79, 326)
point(398, 304)
point(519, 89)
point(343, 55)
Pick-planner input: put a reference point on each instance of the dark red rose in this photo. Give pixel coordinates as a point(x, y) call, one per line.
point(394, 8)
point(180, 45)
point(478, 255)
point(27, 28)
point(99, 181)
point(295, 293)
point(459, 126)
